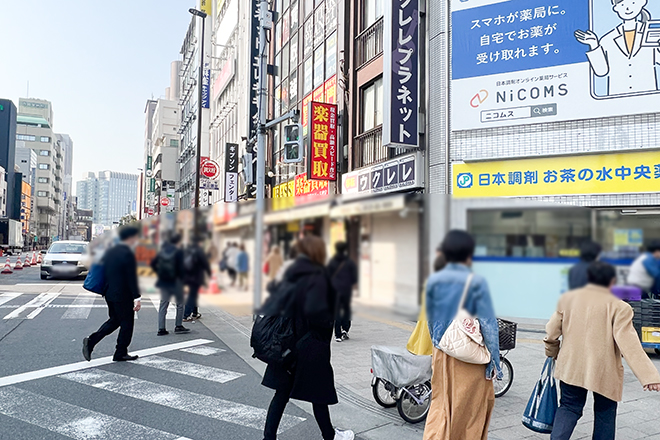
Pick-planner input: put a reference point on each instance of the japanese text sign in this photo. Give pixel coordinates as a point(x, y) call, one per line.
point(299, 191)
point(401, 73)
point(570, 175)
point(231, 172)
point(322, 154)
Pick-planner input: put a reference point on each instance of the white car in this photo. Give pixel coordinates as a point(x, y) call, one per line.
point(66, 259)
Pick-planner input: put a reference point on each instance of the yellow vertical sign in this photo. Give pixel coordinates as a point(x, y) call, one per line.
point(206, 6)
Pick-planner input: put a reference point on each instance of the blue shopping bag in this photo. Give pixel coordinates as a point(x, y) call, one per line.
point(95, 281)
point(539, 415)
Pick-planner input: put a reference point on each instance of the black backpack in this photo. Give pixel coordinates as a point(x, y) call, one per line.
point(190, 260)
point(167, 266)
point(273, 336)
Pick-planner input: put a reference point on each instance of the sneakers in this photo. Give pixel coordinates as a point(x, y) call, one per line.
point(196, 315)
point(344, 435)
point(344, 336)
point(179, 329)
point(162, 332)
point(188, 319)
point(339, 339)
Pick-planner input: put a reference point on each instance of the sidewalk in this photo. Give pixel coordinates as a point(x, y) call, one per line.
point(229, 316)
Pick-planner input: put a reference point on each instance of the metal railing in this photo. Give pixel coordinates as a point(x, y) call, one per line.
point(368, 148)
point(369, 44)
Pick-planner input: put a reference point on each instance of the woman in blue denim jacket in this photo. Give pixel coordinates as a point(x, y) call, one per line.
point(463, 396)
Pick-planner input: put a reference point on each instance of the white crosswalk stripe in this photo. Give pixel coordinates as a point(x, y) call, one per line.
point(171, 309)
point(223, 410)
point(80, 308)
point(189, 369)
point(38, 304)
point(73, 421)
point(6, 297)
point(203, 351)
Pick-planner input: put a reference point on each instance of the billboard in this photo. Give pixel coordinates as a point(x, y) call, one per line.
point(322, 154)
point(231, 172)
point(400, 174)
point(520, 62)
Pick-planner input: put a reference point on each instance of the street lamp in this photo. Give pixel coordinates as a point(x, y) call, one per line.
point(198, 168)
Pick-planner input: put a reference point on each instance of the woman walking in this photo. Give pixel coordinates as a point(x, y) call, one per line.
point(273, 263)
point(463, 396)
point(310, 378)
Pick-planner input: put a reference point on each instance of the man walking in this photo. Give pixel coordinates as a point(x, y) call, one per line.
point(242, 267)
point(231, 255)
point(168, 266)
point(196, 266)
point(343, 272)
point(122, 294)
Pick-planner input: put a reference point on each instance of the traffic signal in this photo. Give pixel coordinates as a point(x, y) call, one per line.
point(248, 172)
point(250, 191)
point(293, 143)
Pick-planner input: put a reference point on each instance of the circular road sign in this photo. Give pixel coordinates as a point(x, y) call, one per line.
point(210, 169)
point(165, 201)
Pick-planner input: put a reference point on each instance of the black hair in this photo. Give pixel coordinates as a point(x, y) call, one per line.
point(458, 246)
point(175, 239)
point(439, 263)
point(127, 232)
point(601, 273)
point(589, 251)
point(341, 247)
point(653, 246)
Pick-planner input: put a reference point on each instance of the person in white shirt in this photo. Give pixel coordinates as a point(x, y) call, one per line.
point(645, 270)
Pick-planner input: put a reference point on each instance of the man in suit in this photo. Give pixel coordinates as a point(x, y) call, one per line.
point(122, 294)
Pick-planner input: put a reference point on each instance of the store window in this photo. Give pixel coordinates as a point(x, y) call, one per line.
point(330, 15)
point(309, 76)
point(309, 37)
point(294, 17)
point(331, 55)
point(625, 233)
point(293, 55)
point(372, 105)
point(285, 27)
point(373, 10)
point(319, 63)
point(285, 61)
point(319, 26)
point(309, 7)
point(293, 88)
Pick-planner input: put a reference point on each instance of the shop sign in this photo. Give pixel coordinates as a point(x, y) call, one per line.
point(398, 174)
point(149, 163)
point(253, 79)
point(231, 172)
point(299, 191)
point(628, 238)
point(401, 74)
point(322, 154)
point(152, 185)
point(209, 184)
point(206, 6)
point(210, 169)
point(331, 90)
point(305, 115)
point(226, 74)
point(567, 175)
point(524, 62)
point(206, 87)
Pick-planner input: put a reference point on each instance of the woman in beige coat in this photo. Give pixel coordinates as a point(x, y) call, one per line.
point(274, 262)
point(596, 330)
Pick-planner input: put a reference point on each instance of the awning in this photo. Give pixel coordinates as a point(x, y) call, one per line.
point(286, 216)
point(370, 206)
point(235, 223)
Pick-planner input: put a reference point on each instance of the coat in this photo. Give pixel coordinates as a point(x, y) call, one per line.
point(179, 271)
point(628, 72)
point(343, 274)
point(121, 281)
point(197, 276)
point(242, 262)
point(311, 378)
point(274, 262)
point(596, 330)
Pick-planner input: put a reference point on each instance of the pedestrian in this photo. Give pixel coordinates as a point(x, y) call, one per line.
point(273, 263)
point(197, 267)
point(232, 256)
point(293, 254)
point(463, 396)
point(169, 269)
point(242, 267)
point(310, 378)
point(577, 276)
point(645, 270)
point(343, 275)
point(596, 329)
point(122, 295)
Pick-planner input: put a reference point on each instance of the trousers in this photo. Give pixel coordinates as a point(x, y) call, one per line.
point(343, 314)
point(121, 317)
point(276, 411)
point(570, 410)
point(166, 294)
point(191, 302)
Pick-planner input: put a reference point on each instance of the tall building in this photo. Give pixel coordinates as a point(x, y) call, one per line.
point(66, 216)
point(26, 211)
point(146, 176)
point(8, 116)
point(34, 127)
point(110, 195)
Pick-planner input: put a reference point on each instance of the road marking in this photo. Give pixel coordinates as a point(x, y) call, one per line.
point(223, 410)
point(48, 298)
point(171, 309)
point(203, 351)
point(63, 369)
point(49, 284)
point(39, 303)
point(73, 421)
point(80, 307)
point(189, 369)
point(6, 297)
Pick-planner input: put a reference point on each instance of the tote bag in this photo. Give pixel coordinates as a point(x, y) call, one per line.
point(420, 342)
point(539, 415)
point(95, 280)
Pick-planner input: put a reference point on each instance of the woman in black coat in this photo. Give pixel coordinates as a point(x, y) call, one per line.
point(310, 378)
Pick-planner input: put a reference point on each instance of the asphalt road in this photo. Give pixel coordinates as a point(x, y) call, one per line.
point(183, 387)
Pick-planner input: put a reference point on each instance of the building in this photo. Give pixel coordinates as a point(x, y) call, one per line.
point(66, 216)
point(146, 174)
point(35, 118)
point(8, 116)
point(84, 220)
point(26, 211)
point(109, 194)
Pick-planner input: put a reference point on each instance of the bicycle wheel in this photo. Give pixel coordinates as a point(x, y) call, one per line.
point(384, 393)
point(502, 386)
point(409, 409)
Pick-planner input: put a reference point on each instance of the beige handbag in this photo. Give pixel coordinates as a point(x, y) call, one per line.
point(462, 339)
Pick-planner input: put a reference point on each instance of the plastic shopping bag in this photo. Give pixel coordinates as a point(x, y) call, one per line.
point(539, 415)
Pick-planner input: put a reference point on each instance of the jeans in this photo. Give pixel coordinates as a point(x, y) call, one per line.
point(243, 280)
point(122, 317)
point(276, 410)
point(166, 294)
point(570, 410)
point(343, 314)
point(191, 303)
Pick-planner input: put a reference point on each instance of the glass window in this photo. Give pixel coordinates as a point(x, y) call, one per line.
point(308, 85)
point(319, 26)
point(331, 55)
point(330, 15)
point(373, 10)
point(285, 61)
point(278, 36)
point(319, 63)
point(309, 7)
point(309, 36)
point(285, 4)
point(44, 152)
point(372, 105)
point(43, 180)
point(294, 16)
point(45, 139)
point(293, 88)
point(26, 137)
point(285, 95)
point(285, 28)
point(278, 101)
point(278, 68)
point(174, 142)
point(293, 56)
point(44, 166)
point(43, 193)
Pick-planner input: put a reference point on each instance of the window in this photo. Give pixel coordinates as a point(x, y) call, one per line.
point(43, 180)
point(309, 37)
point(294, 16)
point(308, 76)
point(319, 26)
point(372, 105)
point(285, 61)
point(44, 166)
point(319, 62)
point(293, 88)
point(373, 10)
point(293, 55)
point(331, 56)
point(26, 137)
point(174, 142)
point(43, 194)
point(44, 152)
point(45, 139)
point(330, 14)
point(309, 7)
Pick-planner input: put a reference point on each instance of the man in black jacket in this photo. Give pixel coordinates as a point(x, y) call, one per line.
point(197, 267)
point(343, 275)
point(122, 294)
point(168, 266)
point(577, 276)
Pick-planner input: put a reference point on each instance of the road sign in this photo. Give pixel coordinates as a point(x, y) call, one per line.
point(209, 184)
point(165, 201)
point(150, 211)
point(210, 169)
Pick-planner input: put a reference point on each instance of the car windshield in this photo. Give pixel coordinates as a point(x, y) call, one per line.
point(67, 248)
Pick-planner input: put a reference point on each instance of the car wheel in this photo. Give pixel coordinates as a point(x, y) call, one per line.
point(44, 277)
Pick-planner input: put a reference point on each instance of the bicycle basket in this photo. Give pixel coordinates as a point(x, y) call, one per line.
point(508, 331)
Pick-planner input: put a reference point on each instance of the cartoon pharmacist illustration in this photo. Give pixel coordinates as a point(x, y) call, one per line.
point(628, 54)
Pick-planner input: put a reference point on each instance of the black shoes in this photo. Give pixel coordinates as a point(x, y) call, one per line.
point(124, 358)
point(162, 332)
point(196, 315)
point(87, 350)
point(179, 329)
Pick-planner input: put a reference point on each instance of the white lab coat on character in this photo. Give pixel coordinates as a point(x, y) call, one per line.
point(627, 72)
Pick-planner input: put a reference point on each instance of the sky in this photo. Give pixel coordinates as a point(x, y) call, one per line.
point(97, 62)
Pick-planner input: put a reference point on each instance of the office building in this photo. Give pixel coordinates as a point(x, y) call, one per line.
point(109, 194)
point(66, 216)
point(8, 116)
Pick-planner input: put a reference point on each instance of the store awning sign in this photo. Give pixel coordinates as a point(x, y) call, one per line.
point(394, 175)
point(299, 191)
point(567, 175)
point(231, 172)
point(322, 154)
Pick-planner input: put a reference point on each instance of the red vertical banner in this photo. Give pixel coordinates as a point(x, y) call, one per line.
point(331, 90)
point(322, 163)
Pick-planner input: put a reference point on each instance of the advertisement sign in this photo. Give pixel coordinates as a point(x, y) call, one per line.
point(210, 169)
point(400, 74)
point(209, 184)
point(526, 61)
point(628, 238)
point(231, 172)
point(226, 74)
point(402, 173)
point(206, 6)
point(570, 175)
point(152, 185)
point(330, 87)
point(305, 115)
point(322, 154)
point(149, 162)
point(299, 191)
point(206, 87)
point(253, 80)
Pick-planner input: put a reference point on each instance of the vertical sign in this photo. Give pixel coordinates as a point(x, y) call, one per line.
point(253, 82)
point(149, 162)
point(305, 115)
point(231, 172)
point(401, 74)
point(322, 163)
point(206, 6)
point(206, 87)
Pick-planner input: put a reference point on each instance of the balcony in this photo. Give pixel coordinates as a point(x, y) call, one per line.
point(368, 148)
point(369, 44)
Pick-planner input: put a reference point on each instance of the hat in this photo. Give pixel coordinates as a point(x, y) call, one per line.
point(126, 232)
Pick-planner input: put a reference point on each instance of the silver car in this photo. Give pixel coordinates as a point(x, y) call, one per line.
point(66, 259)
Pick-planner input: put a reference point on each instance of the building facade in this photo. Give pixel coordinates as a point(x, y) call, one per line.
point(66, 216)
point(109, 194)
point(8, 115)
